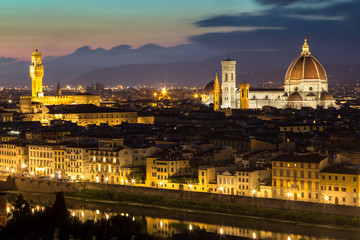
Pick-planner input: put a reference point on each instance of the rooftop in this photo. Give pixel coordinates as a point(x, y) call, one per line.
point(308, 158)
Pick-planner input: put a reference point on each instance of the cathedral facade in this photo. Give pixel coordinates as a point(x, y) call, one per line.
point(305, 85)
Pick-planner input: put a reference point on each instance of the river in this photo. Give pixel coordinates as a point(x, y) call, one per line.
point(165, 222)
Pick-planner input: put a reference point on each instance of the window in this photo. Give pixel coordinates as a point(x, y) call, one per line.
point(309, 184)
point(302, 174)
point(309, 195)
point(281, 172)
point(343, 189)
point(336, 188)
point(329, 188)
point(329, 177)
point(302, 184)
point(288, 173)
point(309, 174)
point(274, 172)
point(336, 178)
point(343, 178)
point(274, 183)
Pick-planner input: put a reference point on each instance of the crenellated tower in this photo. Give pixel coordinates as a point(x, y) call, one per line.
point(36, 74)
point(216, 96)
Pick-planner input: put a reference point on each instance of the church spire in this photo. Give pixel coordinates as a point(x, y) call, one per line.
point(216, 83)
point(216, 95)
point(58, 90)
point(305, 49)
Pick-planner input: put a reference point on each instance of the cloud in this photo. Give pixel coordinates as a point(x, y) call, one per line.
point(291, 2)
point(332, 26)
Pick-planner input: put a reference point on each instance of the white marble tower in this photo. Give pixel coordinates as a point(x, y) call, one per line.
point(228, 83)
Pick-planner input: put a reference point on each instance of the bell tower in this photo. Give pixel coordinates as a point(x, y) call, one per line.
point(36, 73)
point(228, 83)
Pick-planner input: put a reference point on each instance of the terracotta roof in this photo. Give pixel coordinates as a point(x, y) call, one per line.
point(294, 97)
point(353, 170)
point(305, 67)
point(209, 88)
point(308, 158)
point(326, 97)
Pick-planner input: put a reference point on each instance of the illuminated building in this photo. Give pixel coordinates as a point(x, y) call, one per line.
point(77, 166)
point(41, 159)
point(297, 177)
point(90, 114)
point(159, 169)
point(59, 162)
point(340, 185)
point(305, 85)
point(32, 105)
point(13, 157)
point(105, 162)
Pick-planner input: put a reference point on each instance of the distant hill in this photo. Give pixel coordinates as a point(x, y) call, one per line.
point(180, 65)
point(198, 73)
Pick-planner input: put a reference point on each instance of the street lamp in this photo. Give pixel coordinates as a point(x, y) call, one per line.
point(254, 192)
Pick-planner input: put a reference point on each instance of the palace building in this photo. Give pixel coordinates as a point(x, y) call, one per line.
point(305, 85)
point(33, 104)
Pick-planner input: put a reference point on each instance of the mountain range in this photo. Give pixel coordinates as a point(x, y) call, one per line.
point(182, 65)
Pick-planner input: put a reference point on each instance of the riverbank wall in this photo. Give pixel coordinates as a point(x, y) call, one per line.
point(43, 186)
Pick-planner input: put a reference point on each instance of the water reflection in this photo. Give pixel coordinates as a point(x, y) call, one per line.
point(165, 223)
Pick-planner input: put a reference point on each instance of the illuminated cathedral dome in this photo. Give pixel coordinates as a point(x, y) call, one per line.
point(305, 67)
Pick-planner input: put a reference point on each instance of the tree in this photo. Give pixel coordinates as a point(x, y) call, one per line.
point(21, 209)
point(59, 210)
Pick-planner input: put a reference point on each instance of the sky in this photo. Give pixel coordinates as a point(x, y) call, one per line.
point(60, 27)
